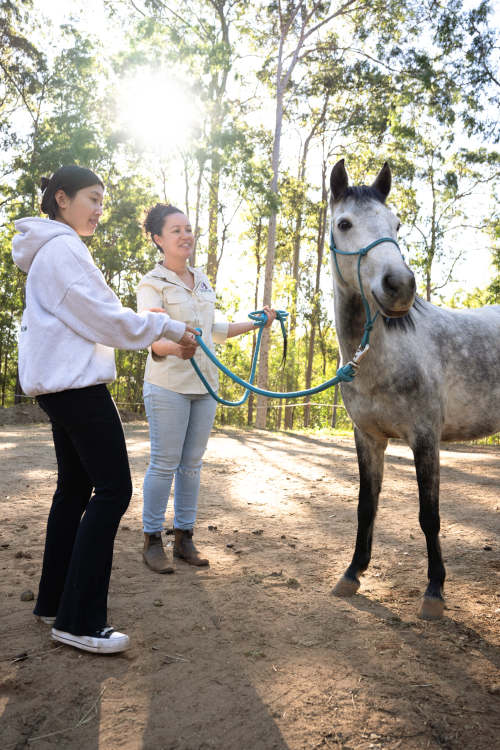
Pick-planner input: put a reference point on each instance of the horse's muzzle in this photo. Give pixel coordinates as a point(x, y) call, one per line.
point(396, 293)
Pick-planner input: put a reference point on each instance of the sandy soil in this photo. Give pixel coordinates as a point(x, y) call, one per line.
point(255, 653)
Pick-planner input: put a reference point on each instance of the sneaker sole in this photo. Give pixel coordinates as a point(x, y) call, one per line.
point(46, 620)
point(84, 642)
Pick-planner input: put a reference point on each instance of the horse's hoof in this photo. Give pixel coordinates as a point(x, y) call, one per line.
point(345, 587)
point(432, 608)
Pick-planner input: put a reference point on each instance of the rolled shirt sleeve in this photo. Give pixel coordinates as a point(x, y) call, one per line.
point(219, 331)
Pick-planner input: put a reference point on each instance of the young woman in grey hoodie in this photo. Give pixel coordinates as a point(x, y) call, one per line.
point(71, 322)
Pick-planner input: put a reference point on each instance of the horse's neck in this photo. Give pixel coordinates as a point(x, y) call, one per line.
point(350, 319)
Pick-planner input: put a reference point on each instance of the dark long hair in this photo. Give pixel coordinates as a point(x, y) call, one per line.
point(155, 219)
point(71, 179)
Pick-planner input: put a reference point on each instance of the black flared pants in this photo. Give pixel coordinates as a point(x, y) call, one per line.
point(93, 492)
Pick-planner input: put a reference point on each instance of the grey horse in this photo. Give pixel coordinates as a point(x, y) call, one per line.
point(430, 374)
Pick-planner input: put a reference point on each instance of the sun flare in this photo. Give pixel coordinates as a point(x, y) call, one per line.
point(157, 109)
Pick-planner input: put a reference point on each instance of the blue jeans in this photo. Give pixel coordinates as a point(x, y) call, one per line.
point(179, 428)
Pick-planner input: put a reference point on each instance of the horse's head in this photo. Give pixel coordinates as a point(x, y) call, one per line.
point(360, 218)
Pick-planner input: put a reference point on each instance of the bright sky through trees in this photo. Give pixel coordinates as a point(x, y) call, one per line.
point(158, 110)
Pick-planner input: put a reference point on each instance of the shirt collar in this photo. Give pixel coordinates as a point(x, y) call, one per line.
point(165, 273)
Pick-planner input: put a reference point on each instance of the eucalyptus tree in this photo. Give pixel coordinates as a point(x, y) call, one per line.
point(61, 123)
point(19, 57)
point(470, 45)
point(22, 71)
point(445, 85)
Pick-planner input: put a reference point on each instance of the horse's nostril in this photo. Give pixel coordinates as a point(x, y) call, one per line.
point(395, 284)
point(391, 284)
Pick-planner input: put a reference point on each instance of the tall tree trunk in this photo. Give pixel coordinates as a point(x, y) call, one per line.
point(251, 398)
point(262, 380)
point(335, 395)
point(310, 358)
point(213, 220)
point(217, 89)
point(201, 168)
point(3, 378)
point(291, 384)
point(258, 240)
point(291, 381)
point(432, 250)
point(320, 247)
point(18, 393)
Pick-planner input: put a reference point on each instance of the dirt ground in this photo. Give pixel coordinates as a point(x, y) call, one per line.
point(254, 652)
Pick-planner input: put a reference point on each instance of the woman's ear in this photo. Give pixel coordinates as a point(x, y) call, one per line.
point(61, 198)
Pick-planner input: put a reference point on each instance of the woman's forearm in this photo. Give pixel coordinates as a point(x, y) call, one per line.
point(236, 329)
point(164, 347)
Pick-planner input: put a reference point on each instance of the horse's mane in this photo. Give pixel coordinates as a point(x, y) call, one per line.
point(363, 194)
point(407, 322)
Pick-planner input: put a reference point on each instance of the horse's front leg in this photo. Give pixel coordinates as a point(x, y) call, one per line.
point(371, 471)
point(426, 454)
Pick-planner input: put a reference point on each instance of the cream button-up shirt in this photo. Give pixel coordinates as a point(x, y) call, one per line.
point(196, 307)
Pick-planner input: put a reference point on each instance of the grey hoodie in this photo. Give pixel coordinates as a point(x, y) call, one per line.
point(72, 318)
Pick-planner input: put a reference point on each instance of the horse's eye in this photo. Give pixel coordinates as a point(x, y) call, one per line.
point(344, 225)
point(398, 226)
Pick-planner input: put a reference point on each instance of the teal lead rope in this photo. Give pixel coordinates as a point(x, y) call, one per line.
point(259, 317)
point(344, 374)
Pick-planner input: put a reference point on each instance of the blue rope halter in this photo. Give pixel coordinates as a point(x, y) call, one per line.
point(344, 374)
point(370, 320)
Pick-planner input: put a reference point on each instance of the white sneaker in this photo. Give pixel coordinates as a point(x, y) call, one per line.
point(107, 641)
point(46, 620)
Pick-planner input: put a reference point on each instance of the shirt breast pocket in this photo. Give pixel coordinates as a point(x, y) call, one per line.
point(208, 296)
point(178, 304)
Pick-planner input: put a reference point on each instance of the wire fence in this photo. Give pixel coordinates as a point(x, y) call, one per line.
point(491, 440)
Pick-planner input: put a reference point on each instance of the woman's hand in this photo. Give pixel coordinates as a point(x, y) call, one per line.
point(186, 351)
point(236, 329)
point(271, 315)
point(167, 348)
point(188, 341)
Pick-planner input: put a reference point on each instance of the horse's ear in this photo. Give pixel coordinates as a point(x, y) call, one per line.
point(383, 181)
point(338, 181)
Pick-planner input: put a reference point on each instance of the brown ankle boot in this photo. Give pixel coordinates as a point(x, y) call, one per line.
point(154, 555)
point(185, 549)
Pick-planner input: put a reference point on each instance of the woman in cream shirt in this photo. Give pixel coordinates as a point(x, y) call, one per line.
point(180, 412)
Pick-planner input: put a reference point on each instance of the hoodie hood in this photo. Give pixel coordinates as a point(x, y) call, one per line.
point(35, 232)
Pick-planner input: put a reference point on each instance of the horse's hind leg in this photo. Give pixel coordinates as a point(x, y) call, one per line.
point(426, 453)
point(371, 471)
